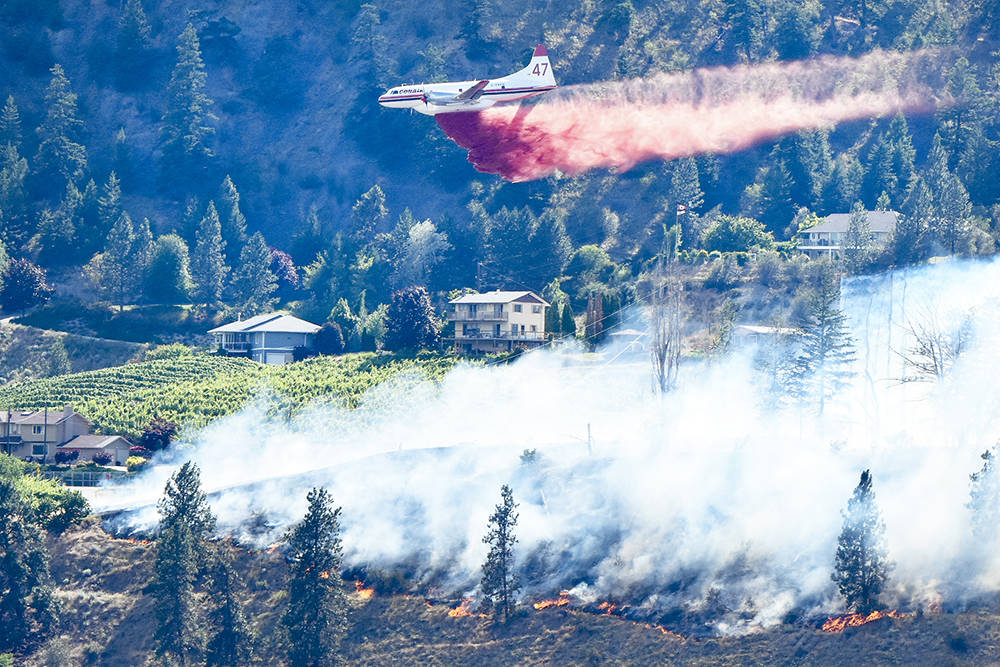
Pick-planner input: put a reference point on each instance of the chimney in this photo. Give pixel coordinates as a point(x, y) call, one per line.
point(68, 411)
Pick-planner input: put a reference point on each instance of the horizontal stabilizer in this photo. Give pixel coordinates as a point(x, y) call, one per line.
point(474, 92)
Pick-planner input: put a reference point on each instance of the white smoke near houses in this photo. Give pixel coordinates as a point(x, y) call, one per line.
point(709, 506)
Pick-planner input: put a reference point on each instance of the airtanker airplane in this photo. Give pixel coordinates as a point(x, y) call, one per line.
point(435, 98)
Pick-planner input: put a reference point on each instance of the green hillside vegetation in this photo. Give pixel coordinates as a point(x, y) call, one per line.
point(28, 353)
point(192, 390)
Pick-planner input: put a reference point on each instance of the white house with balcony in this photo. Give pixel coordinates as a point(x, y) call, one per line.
point(827, 238)
point(268, 339)
point(498, 321)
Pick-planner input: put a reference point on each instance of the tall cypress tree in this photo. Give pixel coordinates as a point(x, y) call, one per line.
point(233, 640)
point(26, 605)
point(253, 282)
point(499, 583)
point(861, 565)
point(234, 224)
point(208, 265)
point(186, 123)
point(59, 152)
point(316, 616)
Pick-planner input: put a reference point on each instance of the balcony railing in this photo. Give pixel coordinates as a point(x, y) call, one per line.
point(234, 347)
point(503, 335)
point(465, 316)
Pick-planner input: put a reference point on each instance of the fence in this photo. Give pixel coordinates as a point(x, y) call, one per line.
point(81, 477)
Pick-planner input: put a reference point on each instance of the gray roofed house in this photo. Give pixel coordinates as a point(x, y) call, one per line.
point(36, 433)
point(499, 321)
point(827, 237)
point(268, 339)
point(90, 445)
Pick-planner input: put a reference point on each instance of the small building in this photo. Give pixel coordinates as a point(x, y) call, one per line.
point(827, 238)
point(628, 341)
point(746, 335)
point(37, 433)
point(268, 339)
point(90, 445)
point(498, 321)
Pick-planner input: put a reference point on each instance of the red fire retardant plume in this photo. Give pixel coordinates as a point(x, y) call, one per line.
point(618, 125)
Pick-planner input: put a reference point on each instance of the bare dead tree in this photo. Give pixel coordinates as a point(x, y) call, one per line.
point(666, 308)
point(935, 346)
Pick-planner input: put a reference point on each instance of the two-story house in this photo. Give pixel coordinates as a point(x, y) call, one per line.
point(827, 238)
point(269, 339)
point(498, 321)
point(37, 434)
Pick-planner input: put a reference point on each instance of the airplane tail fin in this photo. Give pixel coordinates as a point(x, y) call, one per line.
point(538, 72)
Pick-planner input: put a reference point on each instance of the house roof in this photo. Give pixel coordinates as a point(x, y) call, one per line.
point(767, 331)
point(271, 323)
point(501, 297)
point(878, 221)
point(632, 333)
point(95, 442)
point(32, 417)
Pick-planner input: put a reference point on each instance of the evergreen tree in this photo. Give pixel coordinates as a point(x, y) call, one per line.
point(823, 366)
point(186, 128)
point(109, 204)
point(116, 272)
point(568, 326)
point(861, 566)
point(234, 224)
point(330, 338)
point(10, 124)
point(142, 248)
point(744, 21)
point(316, 616)
point(58, 150)
point(54, 241)
point(952, 224)
point(777, 207)
point(845, 186)
point(59, 363)
point(134, 47)
point(168, 272)
point(984, 499)
point(903, 155)
point(411, 323)
point(881, 175)
point(176, 633)
point(254, 282)
point(24, 286)
point(499, 583)
point(858, 241)
point(910, 237)
point(14, 211)
point(27, 609)
point(553, 320)
point(184, 502)
point(233, 640)
point(208, 266)
point(367, 214)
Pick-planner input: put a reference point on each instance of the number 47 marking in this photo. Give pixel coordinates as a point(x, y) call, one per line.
point(540, 69)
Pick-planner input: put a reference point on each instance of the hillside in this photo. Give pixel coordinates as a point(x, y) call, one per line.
point(108, 613)
point(193, 390)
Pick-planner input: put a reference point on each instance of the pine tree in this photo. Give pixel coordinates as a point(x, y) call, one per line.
point(858, 241)
point(253, 282)
point(234, 224)
point(952, 225)
point(904, 156)
point(910, 237)
point(367, 214)
point(233, 640)
point(184, 502)
point(24, 286)
point(861, 565)
point(54, 240)
point(186, 128)
point(27, 608)
point(984, 498)
point(132, 57)
point(109, 204)
point(59, 363)
point(10, 124)
point(316, 616)
point(208, 266)
point(142, 249)
point(58, 150)
point(499, 583)
point(114, 269)
point(778, 209)
point(176, 610)
point(17, 225)
point(823, 366)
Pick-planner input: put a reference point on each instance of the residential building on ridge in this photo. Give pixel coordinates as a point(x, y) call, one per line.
point(268, 339)
point(827, 238)
point(499, 321)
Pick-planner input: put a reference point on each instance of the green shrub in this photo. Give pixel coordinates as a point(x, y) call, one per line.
point(172, 351)
point(135, 463)
point(56, 507)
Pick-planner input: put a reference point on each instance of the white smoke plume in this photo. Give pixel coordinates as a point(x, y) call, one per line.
point(705, 504)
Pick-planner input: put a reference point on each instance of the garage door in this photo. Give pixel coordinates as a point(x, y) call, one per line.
point(278, 358)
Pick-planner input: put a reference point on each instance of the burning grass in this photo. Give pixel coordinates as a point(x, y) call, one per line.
point(841, 623)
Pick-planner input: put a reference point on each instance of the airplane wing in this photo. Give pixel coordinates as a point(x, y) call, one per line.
point(474, 92)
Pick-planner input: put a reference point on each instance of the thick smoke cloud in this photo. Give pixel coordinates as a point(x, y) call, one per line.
point(616, 125)
point(709, 505)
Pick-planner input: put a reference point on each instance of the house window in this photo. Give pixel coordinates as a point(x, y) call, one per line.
point(534, 328)
point(536, 309)
point(517, 308)
point(39, 449)
point(36, 429)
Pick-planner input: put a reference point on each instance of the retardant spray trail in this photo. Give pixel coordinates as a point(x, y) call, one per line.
point(617, 125)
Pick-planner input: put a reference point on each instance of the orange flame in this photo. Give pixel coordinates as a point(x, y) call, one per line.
point(841, 623)
point(325, 574)
point(561, 601)
point(274, 547)
point(608, 607)
point(464, 609)
point(363, 593)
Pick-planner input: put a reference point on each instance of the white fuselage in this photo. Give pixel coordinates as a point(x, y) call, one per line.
point(420, 96)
